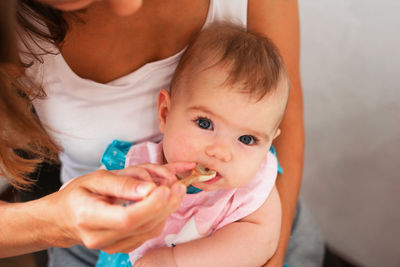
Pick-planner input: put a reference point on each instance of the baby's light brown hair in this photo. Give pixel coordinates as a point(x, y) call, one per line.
point(250, 60)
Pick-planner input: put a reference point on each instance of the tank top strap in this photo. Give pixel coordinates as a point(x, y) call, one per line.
point(234, 11)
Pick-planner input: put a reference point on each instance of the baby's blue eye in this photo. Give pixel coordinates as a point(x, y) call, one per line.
point(247, 139)
point(204, 124)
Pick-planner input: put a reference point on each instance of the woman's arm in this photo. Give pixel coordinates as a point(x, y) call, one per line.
point(83, 212)
point(279, 20)
point(242, 243)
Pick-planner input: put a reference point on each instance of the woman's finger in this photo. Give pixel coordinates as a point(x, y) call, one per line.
point(161, 174)
point(110, 184)
point(158, 173)
point(157, 206)
point(180, 167)
point(177, 190)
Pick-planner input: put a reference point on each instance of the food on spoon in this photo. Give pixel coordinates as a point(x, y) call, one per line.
point(199, 174)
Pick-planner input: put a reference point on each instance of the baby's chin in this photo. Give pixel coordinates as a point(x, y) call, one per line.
point(220, 184)
point(208, 187)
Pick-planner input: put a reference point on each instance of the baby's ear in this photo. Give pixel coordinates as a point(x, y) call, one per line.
point(163, 104)
point(277, 133)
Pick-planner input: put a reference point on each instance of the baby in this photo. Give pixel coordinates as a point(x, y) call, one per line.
point(227, 98)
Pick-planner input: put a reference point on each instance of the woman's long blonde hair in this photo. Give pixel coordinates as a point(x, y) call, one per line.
point(23, 143)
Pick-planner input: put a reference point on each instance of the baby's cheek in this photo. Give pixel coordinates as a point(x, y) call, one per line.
point(178, 149)
point(243, 179)
point(244, 174)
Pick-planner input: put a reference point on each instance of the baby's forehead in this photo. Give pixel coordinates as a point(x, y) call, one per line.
point(255, 86)
point(201, 89)
point(198, 78)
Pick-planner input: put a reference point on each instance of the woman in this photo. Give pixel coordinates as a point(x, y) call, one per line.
point(102, 52)
point(39, 224)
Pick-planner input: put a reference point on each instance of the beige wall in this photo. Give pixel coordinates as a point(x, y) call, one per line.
point(351, 81)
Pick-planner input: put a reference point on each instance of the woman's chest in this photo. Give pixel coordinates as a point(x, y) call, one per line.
point(105, 48)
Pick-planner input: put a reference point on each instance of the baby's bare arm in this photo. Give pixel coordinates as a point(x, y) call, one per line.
point(248, 242)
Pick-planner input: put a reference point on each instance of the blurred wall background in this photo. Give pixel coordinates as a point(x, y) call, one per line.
point(351, 81)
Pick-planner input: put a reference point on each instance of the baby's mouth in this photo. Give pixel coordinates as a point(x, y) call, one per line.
point(199, 174)
point(205, 174)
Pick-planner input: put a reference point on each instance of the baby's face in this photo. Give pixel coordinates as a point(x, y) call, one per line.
point(220, 128)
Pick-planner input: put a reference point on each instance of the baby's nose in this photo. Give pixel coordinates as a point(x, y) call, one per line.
point(219, 151)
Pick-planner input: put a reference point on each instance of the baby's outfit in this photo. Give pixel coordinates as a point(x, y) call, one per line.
point(200, 214)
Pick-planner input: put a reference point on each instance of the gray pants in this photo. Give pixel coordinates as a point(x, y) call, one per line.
point(306, 247)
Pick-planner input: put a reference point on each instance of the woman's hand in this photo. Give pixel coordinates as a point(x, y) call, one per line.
point(120, 7)
point(93, 219)
point(85, 211)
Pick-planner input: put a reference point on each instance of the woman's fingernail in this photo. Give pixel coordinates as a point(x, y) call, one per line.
point(143, 189)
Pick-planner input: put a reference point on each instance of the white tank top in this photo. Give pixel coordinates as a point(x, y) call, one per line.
point(84, 116)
